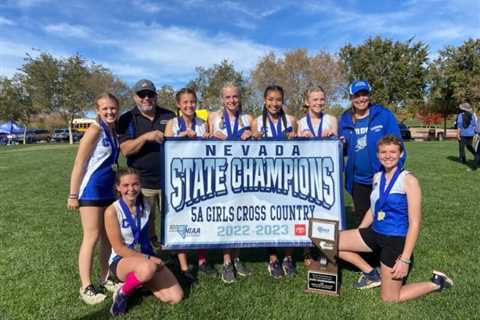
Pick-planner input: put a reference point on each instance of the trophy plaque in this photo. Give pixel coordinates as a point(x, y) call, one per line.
point(322, 276)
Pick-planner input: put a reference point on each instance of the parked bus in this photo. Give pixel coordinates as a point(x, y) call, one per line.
point(82, 124)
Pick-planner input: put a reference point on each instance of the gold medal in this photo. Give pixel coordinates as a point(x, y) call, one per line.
point(381, 215)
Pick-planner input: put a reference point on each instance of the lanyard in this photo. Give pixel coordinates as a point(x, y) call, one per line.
point(228, 126)
point(384, 192)
point(310, 125)
point(182, 125)
point(276, 133)
point(136, 227)
point(113, 142)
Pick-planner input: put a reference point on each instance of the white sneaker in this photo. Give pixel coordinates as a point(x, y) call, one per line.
point(111, 286)
point(90, 295)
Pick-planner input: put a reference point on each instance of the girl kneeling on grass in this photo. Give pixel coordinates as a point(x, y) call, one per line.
point(132, 260)
point(390, 228)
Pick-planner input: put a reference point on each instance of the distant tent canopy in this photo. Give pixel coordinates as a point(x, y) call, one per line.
point(10, 127)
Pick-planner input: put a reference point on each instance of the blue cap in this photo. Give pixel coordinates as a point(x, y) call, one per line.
point(359, 85)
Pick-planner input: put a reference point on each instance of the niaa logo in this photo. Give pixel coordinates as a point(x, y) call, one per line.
point(184, 230)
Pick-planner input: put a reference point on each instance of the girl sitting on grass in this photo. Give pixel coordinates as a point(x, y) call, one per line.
point(132, 260)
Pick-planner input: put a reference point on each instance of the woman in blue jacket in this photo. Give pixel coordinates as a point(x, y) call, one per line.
point(361, 127)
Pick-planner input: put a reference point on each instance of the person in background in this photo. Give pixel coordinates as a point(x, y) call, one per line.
point(466, 122)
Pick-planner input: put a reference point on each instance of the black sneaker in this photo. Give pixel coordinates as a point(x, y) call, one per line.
point(441, 280)
point(207, 270)
point(289, 267)
point(275, 269)
point(241, 269)
point(187, 277)
point(228, 274)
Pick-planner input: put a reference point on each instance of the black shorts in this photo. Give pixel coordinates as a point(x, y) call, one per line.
point(113, 269)
point(388, 248)
point(95, 203)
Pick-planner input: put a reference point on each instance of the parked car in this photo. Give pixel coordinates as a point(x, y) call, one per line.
point(404, 131)
point(33, 136)
point(61, 135)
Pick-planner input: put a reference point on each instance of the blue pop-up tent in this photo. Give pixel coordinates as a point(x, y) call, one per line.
point(10, 127)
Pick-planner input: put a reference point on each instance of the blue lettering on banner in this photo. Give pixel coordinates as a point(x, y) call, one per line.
point(194, 180)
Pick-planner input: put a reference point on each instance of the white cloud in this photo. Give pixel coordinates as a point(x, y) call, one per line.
point(6, 22)
point(148, 6)
point(177, 51)
point(68, 30)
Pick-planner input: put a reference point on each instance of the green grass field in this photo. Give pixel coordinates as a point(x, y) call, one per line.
point(39, 241)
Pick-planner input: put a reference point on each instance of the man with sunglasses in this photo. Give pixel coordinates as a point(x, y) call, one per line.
point(140, 133)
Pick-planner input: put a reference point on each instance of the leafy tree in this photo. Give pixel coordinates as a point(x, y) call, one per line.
point(15, 104)
point(102, 80)
point(166, 97)
point(454, 77)
point(41, 80)
point(210, 81)
point(67, 86)
point(396, 70)
point(295, 72)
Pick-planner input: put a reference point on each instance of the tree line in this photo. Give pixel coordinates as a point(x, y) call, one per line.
point(401, 74)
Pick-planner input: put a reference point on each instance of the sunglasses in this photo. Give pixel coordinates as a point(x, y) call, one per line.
point(145, 94)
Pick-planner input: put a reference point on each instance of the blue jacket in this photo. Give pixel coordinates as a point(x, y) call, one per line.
point(382, 122)
point(468, 131)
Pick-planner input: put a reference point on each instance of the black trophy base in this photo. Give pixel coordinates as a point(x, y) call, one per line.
point(323, 281)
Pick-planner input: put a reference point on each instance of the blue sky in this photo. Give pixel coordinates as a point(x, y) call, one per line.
point(166, 40)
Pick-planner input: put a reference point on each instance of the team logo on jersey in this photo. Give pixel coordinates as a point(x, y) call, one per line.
point(105, 142)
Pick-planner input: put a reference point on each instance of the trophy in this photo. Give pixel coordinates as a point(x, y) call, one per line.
point(322, 276)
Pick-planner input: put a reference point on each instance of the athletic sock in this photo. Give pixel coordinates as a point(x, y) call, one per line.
point(131, 283)
point(202, 256)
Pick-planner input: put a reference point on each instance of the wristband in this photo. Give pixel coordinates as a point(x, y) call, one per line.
point(406, 261)
point(73, 196)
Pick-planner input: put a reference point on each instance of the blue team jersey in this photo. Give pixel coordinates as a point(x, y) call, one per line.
point(394, 219)
point(362, 172)
point(99, 178)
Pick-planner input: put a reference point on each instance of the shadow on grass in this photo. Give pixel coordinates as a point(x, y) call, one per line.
point(470, 163)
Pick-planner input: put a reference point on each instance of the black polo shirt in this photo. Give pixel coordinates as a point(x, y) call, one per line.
point(147, 160)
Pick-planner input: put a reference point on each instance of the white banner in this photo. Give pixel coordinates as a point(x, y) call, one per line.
point(221, 194)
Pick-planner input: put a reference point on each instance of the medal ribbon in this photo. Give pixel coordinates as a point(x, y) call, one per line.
point(276, 133)
point(228, 126)
point(114, 144)
point(135, 226)
point(182, 125)
point(310, 125)
point(383, 193)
